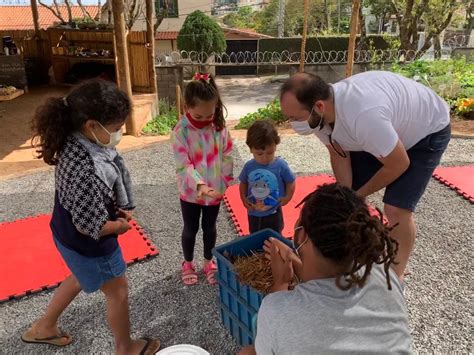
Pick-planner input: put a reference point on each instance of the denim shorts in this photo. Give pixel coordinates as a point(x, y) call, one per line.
point(93, 272)
point(406, 191)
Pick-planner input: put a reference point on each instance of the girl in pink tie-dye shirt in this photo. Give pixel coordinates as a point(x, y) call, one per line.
point(202, 148)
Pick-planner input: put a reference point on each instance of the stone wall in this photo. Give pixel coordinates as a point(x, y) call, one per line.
point(167, 77)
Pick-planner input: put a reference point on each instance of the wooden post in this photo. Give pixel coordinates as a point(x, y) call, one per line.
point(352, 38)
point(150, 39)
point(178, 101)
point(34, 11)
point(121, 58)
point(305, 32)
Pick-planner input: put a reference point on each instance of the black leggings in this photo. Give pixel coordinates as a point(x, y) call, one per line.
point(191, 213)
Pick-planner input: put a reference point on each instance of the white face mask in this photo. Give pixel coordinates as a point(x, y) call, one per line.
point(302, 127)
point(114, 139)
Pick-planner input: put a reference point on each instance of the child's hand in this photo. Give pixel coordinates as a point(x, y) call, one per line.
point(204, 190)
point(123, 226)
point(127, 215)
point(284, 200)
point(248, 205)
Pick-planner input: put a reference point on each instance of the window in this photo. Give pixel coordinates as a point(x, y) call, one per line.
point(171, 5)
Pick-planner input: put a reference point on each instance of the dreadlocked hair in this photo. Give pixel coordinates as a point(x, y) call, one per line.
point(339, 224)
point(206, 90)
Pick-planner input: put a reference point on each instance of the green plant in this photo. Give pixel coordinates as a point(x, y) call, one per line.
point(464, 106)
point(201, 33)
point(271, 111)
point(452, 79)
point(165, 121)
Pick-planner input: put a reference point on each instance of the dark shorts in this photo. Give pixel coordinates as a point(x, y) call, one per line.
point(273, 221)
point(406, 191)
point(93, 272)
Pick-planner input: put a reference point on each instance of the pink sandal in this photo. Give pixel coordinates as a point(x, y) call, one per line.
point(188, 273)
point(210, 270)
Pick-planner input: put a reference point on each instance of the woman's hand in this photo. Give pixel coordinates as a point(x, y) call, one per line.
point(280, 257)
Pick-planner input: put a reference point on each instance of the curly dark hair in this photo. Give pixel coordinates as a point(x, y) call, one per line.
point(340, 226)
point(261, 134)
point(201, 90)
point(59, 117)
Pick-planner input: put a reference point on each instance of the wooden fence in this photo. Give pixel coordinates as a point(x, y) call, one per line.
point(29, 45)
point(44, 48)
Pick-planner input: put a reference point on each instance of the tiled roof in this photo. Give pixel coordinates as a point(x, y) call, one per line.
point(166, 35)
point(248, 33)
point(21, 18)
point(245, 32)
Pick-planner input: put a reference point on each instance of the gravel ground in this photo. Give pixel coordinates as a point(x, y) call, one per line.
point(439, 290)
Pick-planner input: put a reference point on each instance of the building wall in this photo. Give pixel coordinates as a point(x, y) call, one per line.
point(185, 7)
point(165, 46)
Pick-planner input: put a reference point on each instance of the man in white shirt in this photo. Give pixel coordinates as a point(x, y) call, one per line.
point(382, 130)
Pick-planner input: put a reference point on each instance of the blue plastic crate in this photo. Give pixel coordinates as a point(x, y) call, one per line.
point(239, 303)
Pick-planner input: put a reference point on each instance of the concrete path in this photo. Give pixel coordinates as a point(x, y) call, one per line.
point(243, 95)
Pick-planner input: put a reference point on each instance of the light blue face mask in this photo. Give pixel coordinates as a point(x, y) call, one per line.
point(114, 138)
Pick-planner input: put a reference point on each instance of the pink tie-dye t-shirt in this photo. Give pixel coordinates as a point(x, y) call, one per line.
point(202, 157)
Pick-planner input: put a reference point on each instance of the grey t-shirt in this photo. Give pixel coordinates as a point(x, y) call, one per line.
point(319, 318)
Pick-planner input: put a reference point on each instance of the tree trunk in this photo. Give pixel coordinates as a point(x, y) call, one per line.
point(437, 47)
point(121, 57)
point(362, 45)
point(69, 11)
point(327, 15)
point(352, 38)
point(161, 15)
point(150, 39)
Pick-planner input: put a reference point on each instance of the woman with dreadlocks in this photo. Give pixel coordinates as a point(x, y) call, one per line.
point(349, 298)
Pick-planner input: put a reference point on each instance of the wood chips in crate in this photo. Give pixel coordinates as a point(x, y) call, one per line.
point(255, 271)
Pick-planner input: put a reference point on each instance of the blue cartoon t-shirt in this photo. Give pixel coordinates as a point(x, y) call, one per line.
point(266, 184)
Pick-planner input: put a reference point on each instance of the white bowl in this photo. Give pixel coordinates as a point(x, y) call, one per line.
point(183, 349)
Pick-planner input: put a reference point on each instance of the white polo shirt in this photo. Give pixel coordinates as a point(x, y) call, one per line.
point(376, 108)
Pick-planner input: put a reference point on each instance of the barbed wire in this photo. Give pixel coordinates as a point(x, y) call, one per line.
point(249, 58)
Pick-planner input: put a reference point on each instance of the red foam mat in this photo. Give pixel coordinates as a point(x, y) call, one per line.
point(458, 178)
point(304, 186)
point(30, 263)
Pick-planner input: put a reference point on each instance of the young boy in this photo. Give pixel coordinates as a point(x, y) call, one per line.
point(266, 182)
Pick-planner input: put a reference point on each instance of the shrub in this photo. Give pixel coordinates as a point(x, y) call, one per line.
point(271, 111)
point(163, 123)
point(452, 79)
point(201, 33)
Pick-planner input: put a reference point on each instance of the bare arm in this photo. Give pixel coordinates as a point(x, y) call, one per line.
point(243, 188)
point(290, 191)
point(120, 226)
point(394, 165)
point(341, 166)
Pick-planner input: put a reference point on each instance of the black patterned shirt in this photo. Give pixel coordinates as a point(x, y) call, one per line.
point(83, 203)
